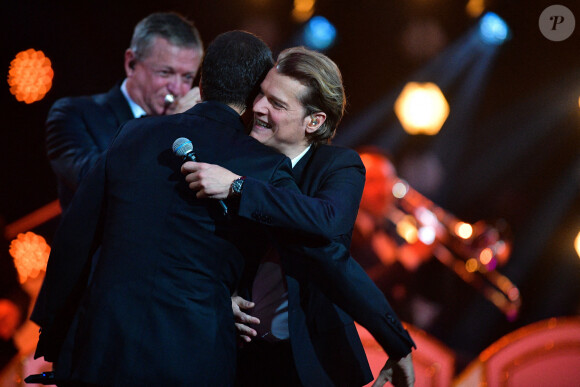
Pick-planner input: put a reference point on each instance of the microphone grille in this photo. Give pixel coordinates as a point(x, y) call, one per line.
point(182, 146)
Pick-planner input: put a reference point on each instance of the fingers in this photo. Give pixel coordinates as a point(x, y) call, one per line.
point(190, 167)
point(245, 332)
point(382, 379)
point(242, 303)
point(192, 171)
point(403, 372)
point(187, 101)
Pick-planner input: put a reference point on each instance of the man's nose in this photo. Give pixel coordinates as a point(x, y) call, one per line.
point(259, 104)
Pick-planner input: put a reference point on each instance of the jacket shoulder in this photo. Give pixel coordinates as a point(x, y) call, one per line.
point(336, 153)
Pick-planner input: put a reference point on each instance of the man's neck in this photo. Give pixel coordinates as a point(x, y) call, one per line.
point(297, 158)
point(238, 109)
point(293, 151)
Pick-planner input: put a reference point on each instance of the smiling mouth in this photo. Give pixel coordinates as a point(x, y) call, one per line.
point(262, 124)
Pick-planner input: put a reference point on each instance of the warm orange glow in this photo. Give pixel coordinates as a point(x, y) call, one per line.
point(463, 230)
point(485, 256)
point(30, 252)
point(32, 220)
point(475, 8)
point(577, 244)
point(303, 10)
point(407, 229)
point(471, 265)
point(422, 108)
point(30, 76)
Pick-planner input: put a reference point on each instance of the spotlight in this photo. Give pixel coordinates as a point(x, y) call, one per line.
point(319, 33)
point(493, 29)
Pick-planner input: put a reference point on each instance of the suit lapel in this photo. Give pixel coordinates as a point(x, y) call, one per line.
point(301, 166)
point(119, 105)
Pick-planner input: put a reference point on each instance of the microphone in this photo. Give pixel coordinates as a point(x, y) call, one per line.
point(169, 99)
point(182, 147)
point(167, 102)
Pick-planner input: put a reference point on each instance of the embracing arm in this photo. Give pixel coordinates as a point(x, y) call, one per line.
point(329, 212)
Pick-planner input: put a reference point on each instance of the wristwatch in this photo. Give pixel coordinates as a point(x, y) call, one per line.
point(237, 186)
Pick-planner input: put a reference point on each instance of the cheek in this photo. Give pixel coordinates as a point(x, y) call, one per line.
point(186, 86)
point(155, 83)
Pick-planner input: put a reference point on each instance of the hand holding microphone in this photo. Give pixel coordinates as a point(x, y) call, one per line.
point(208, 180)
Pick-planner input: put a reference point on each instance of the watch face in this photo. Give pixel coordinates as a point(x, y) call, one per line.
point(237, 185)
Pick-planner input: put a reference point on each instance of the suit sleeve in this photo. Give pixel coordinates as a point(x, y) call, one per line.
point(329, 213)
point(332, 270)
point(69, 263)
point(71, 149)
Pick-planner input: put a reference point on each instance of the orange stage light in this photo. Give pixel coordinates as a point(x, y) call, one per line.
point(30, 252)
point(303, 10)
point(475, 8)
point(421, 108)
point(30, 76)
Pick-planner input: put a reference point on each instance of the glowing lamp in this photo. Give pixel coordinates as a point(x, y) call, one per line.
point(400, 189)
point(463, 230)
point(422, 108)
point(471, 265)
point(407, 229)
point(427, 235)
point(486, 256)
point(474, 8)
point(30, 253)
point(493, 29)
point(30, 76)
point(303, 10)
point(577, 244)
point(319, 33)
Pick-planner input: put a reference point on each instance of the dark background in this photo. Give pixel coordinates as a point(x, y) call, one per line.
point(508, 151)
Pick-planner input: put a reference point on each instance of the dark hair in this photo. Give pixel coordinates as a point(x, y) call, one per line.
point(168, 25)
point(234, 65)
point(325, 92)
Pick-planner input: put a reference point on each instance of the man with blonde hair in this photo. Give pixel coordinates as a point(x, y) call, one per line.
point(302, 287)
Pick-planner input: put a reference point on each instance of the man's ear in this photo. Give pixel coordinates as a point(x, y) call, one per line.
point(130, 61)
point(315, 121)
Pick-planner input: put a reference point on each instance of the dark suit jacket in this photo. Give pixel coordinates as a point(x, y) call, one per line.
point(158, 309)
point(78, 131)
point(320, 275)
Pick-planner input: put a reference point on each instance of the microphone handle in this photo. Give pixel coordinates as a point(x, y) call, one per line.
point(190, 156)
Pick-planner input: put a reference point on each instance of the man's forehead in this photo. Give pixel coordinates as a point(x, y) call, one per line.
point(282, 87)
point(164, 53)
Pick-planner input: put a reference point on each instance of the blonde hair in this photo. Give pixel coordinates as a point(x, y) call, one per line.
point(325, 91)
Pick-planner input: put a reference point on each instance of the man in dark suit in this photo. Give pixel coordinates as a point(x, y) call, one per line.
point(304, 337)
point(157, 310)
point(163, 59)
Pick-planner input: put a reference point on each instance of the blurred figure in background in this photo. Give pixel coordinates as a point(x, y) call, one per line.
point(161, 64)
point(391, 262)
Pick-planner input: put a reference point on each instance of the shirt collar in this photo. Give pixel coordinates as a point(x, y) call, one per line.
point(296, 159)
point(136, 109)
